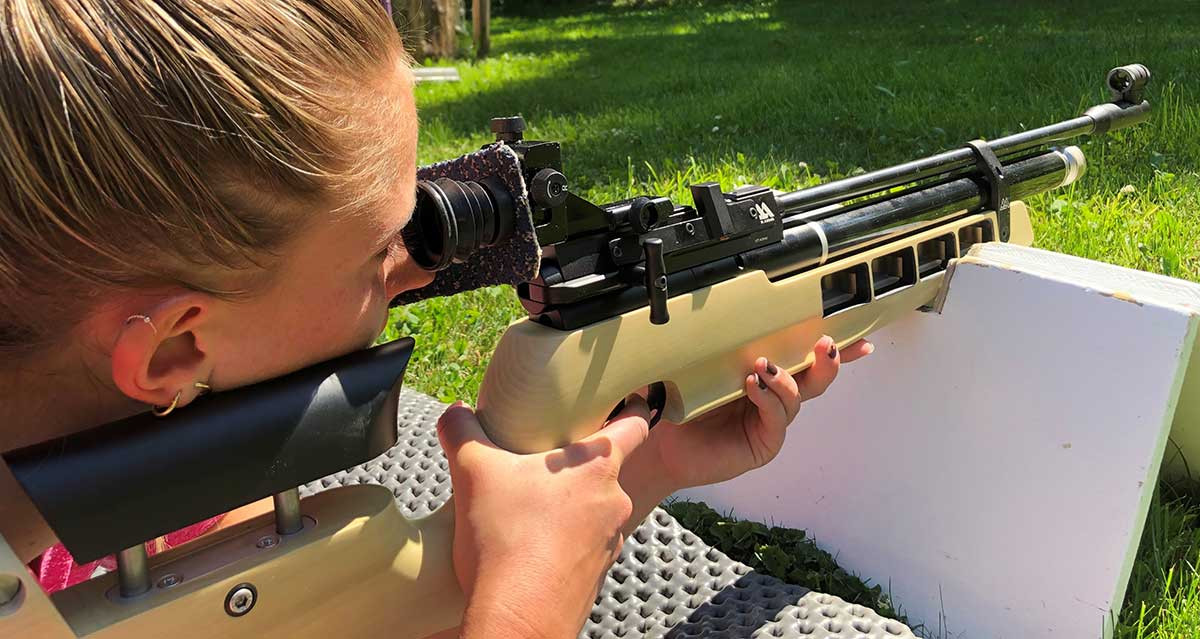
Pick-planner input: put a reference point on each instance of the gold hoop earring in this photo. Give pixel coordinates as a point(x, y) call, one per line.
point(163, 412)
point(204, 388)
point(144, 319)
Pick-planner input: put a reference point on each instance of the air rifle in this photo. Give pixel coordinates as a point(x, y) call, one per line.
point(641, 292)
point(646, 292)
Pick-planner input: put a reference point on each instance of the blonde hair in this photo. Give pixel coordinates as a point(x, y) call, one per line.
point(148, 143)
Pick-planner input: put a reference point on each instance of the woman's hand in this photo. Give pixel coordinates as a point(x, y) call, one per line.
point(535, 534)
point(739, 436)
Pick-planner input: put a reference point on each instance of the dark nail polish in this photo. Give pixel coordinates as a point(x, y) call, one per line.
point(771, 370)
point(832, 351)
point(616, 411)
point(761, 383)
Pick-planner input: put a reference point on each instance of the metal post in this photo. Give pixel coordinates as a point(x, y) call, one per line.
point(133, 571)
point(287, 512)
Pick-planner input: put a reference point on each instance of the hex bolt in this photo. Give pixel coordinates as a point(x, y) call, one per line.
point(240, 600)
point(267, 541)
point(170, 580)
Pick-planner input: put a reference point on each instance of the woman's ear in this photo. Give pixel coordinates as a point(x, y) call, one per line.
point(159, 356)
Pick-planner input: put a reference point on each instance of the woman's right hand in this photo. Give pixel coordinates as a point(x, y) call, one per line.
point(535, 534)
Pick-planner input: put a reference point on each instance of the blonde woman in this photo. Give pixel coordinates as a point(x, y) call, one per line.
point(202, 194)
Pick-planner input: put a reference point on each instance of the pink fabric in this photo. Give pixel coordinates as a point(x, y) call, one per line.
point(56, 568)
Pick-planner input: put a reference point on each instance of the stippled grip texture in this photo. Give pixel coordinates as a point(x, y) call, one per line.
point(667, 583)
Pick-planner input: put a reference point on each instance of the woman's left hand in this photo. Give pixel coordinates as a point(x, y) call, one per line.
point(747, 433)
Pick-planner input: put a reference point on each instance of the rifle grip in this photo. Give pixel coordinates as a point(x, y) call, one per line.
point(546, 388)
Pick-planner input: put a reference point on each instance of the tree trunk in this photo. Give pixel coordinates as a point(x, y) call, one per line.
point(481, 14)
point(429, 27)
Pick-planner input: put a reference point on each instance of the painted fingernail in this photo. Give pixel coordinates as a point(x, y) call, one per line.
point(761, 383)
point(771, 370)
point(617, 411)
point(832, 351)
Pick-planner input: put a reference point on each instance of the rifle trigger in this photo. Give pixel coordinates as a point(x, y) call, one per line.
point(656, 280)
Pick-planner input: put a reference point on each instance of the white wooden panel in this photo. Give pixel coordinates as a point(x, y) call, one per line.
point(994, 463)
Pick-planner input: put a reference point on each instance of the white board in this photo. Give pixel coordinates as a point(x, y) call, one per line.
point(991, 466)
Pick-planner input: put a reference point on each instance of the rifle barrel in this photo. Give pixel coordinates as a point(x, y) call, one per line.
point(860, 226)
point(1098, 119)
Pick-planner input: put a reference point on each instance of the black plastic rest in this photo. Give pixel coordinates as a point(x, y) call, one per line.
point(120, 484)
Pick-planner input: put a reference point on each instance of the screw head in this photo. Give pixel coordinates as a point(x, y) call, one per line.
point(267, 541)
point(548, 188)
point(12, 594)
point(170, 580)
point(240, 600)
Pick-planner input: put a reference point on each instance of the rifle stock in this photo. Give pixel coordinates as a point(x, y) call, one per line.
point(546, 387)
point(358, 567)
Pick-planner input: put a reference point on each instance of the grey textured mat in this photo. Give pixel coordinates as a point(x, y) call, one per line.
point(668, 583)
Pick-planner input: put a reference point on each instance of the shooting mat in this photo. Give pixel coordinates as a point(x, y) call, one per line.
point(667, 583)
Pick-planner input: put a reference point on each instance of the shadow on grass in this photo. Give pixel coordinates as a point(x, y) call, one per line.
point(837, 87)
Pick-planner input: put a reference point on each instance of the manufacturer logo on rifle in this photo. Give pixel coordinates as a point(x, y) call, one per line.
point(762, 213)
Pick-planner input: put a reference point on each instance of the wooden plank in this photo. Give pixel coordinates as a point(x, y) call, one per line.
point(436, 74)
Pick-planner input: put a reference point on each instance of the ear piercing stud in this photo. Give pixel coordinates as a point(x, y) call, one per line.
point(144, 319)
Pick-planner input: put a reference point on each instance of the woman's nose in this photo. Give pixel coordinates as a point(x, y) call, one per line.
point(405, 275)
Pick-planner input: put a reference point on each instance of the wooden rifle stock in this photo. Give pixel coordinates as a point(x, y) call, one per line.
point(546, 387)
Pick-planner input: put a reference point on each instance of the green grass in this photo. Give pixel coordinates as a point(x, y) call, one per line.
point(790, 555)
point(651, 96)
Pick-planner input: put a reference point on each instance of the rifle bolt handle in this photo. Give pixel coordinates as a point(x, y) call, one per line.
point(656, 280)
